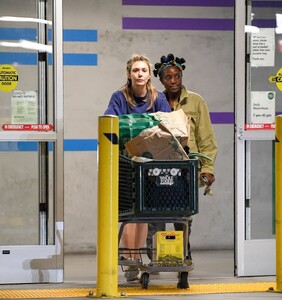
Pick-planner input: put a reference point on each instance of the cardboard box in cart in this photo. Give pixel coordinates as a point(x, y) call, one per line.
point(168, 245)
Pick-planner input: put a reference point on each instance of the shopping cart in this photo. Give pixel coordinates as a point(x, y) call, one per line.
point(158, 191)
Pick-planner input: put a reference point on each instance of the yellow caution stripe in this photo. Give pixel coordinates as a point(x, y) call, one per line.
point(221, 288)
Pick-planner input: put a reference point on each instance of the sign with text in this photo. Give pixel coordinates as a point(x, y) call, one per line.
point(262, 110)
point(27, 127)
point(277, 79)
point(259, 126)
point(9, 78)
point(263, 48)
point(24, 107)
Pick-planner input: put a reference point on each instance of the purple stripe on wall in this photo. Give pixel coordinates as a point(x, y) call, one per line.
point(208, 3)
point(264, 23)
point(177, 24)
point(226, 117)
point(222, 117)
point(266, 3)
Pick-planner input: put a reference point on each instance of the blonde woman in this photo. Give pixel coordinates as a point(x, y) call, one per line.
point(138, 95)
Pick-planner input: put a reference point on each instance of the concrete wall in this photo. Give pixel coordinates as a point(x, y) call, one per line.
point(209, 61)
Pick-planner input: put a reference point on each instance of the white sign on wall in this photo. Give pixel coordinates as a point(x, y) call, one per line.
point(262, 107)
point(263, 48)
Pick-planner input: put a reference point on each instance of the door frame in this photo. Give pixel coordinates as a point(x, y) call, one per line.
point(249, 254)
point(43, 263)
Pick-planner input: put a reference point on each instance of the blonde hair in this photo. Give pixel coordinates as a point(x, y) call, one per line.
point(127, 88)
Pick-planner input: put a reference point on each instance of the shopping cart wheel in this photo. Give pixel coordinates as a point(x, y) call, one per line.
point(183, 281)
point(145, 280)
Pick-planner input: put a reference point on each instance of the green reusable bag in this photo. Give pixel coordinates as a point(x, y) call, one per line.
point(132, 124)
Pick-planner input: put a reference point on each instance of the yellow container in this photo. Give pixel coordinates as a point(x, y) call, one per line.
point(169, 245)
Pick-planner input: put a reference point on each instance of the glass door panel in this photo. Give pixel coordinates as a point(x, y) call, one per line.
point(26, 83)
point(257, 101)
point(31, 141)
point(262, 193)
point(20, 208)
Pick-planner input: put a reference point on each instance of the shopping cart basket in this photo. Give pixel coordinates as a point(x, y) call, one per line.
point(158, 191)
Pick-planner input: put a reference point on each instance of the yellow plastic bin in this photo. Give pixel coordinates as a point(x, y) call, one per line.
point(169, 246)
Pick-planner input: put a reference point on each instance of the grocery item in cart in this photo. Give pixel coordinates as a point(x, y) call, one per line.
point(131, 125)
point(163, 141)
point(169, 246)
point(157, 143)
point(177, 122)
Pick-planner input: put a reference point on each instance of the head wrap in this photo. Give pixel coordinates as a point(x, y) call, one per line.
point(168, 61)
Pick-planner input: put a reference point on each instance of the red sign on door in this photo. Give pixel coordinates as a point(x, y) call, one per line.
point(259, 126)
point(27, 127)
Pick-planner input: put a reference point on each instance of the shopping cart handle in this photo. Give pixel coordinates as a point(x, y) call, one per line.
point(196, 154)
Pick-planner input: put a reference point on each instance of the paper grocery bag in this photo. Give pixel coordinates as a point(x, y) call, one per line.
point(177, 122)
point(157, 142)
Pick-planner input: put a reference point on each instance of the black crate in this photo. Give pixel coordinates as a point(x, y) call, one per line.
point(158, 188)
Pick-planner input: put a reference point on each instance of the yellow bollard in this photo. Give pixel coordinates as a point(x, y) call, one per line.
point(107, 245)
point(278, 200)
